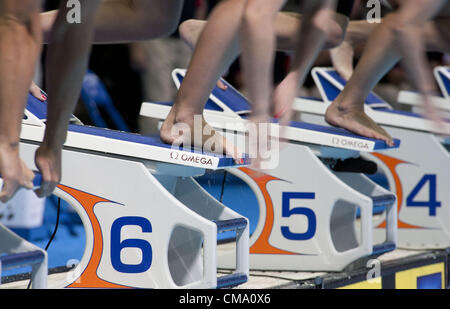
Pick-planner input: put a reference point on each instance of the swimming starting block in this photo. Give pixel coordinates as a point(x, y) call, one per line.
point(307, 204)
point(418, 172)
point(441, 101)
point(15, 252)
point(148, 223)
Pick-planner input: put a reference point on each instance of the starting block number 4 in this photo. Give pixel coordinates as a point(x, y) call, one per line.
point(432, 202)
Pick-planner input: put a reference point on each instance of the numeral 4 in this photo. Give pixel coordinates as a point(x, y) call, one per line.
point(432, 202)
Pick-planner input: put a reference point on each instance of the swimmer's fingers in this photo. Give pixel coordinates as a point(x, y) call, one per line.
point(13, 182)
point(49, 181)
point(48, 161)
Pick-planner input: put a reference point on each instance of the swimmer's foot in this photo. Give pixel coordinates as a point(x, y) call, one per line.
point(433, 114)
point(356, 120)
point(190, 31)
point(195, 131)
point(283, 99)
point(342, 59)
point(37, 92)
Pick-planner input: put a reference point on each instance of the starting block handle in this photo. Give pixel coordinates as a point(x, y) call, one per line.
point(21, 253)
point(231, 225)
point(21, 259)
point(240, 225)
point(383, 248)
point(231, 280)
point(30, 258)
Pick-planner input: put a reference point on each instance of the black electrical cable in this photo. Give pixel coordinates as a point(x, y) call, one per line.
point(223, 186)
point(58, 210)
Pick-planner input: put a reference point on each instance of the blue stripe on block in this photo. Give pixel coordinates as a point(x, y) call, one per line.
point(312, 99)
point(37, 107)
point(169, 104)
point(399, 112)
point(379, 144)
point(371, 98)
point(331, 91)
point(210, 105)
point(231, 97)
point(147, 140)
point(404, 113)
point(434, 93)
point(446, 82)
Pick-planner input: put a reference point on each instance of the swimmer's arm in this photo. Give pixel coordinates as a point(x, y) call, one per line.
point(125, 21)
point(20, 47)
point(67, 62)
point(257, 41)
point(316, 28)
point(413, 16)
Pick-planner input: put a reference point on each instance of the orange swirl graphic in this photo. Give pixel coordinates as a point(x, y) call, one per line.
point(392, 163)
point(262, 245)
point(89, 278)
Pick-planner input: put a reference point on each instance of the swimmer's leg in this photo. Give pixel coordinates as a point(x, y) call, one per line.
point(20, 45)
point(435, 35)
point(317, 23)
point(257, 38)
point(217, 48)
point(378, 58)
point(342, 56)
point(67, 62)
point(123, 21)
point(413, 16)
point(380, 55)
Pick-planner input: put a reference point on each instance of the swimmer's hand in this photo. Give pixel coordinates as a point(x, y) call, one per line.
point(15, 173)
point(48, 161)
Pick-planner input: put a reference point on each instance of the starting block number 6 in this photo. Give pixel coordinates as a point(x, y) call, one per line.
point(117, 245)
point(307, 212)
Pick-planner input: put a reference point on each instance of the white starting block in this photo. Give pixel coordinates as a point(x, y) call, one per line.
point(307, 218)
point(418, 172)
point(16, 252)
point(441, 101)
point(148, 223)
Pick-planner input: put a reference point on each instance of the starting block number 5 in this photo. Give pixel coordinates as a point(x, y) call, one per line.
point(117, 245)
point(287, 212)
